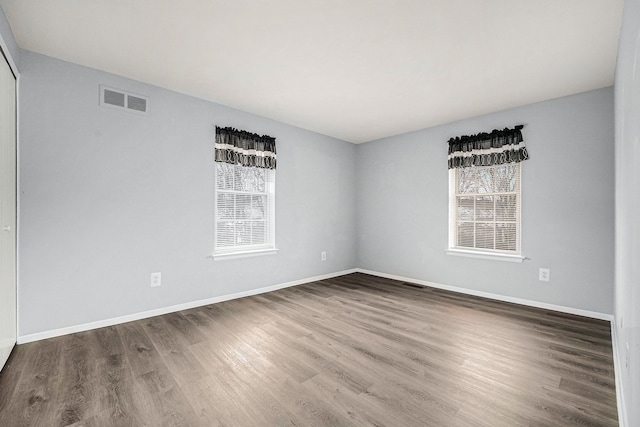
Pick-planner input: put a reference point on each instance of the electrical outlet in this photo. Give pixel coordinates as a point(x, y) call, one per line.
point(156, 279)
point(544, 274)
point(323, 256)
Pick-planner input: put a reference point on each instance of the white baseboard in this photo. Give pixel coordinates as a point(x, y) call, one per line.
point(23, 339)
point(617, 369)
point(537, 304)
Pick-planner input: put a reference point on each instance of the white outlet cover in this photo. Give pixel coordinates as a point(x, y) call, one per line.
point(544, 274)
point(156, 279)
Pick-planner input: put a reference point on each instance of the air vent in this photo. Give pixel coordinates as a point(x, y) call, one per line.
point(137, 103)
point(123, 100)
point(114, 98)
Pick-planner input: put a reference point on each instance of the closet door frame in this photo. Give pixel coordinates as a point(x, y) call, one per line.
point(9, 216)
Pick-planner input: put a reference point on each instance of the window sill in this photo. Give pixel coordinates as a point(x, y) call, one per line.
point(244, 254)
point(486, 255)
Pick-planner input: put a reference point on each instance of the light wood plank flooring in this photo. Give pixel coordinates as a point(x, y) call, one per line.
point(349, 351)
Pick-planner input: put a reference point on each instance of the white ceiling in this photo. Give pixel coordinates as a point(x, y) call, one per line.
point(357, 70)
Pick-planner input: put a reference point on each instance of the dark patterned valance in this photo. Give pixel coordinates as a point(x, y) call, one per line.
point(239, 147)
point(487, 149)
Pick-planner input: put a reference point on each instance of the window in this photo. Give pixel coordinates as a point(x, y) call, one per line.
point(485, 208)
point(244, 209)
point(245, 168)
point(484, 194)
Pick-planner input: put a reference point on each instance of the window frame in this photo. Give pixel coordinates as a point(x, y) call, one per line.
point(240, 251)
point(485, 253)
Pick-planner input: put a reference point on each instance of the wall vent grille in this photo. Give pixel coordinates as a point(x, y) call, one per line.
point(123, 100)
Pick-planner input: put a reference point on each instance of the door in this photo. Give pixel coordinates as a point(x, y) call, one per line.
point(8, 317)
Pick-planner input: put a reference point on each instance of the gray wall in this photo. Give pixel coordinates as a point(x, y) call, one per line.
point(7, 37)
point(567, 205)
point(627, 291)
point(108, 197)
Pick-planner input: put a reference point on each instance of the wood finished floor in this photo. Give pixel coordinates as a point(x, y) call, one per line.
point(349, 351)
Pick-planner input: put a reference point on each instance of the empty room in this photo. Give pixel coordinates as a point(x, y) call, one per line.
point(320, 213)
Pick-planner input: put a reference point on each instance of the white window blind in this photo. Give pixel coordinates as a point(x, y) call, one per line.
point(485, 208)
point(244, 209)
